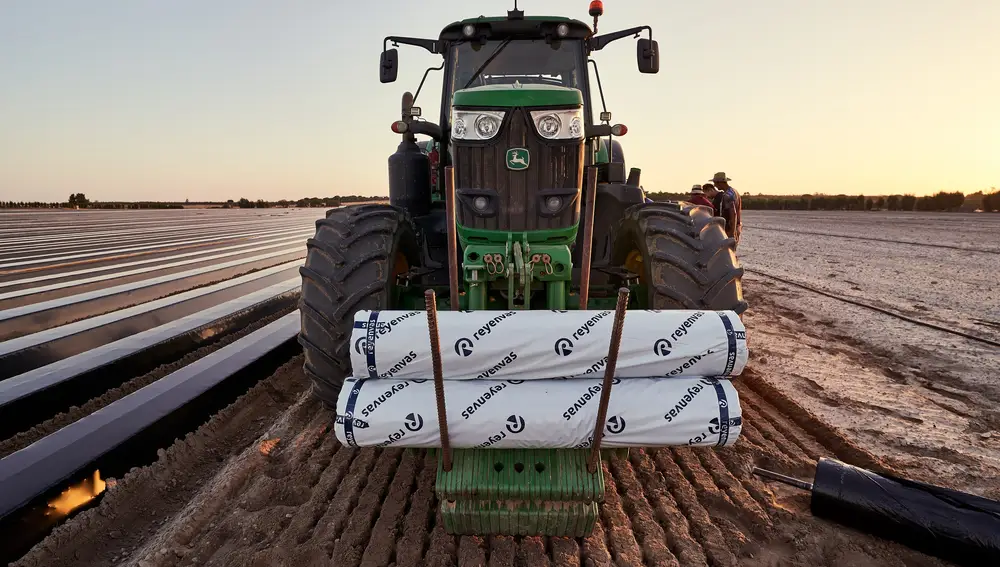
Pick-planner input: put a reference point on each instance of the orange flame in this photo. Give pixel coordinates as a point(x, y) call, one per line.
point(77, 495)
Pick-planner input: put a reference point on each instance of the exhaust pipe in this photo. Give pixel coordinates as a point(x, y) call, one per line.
point(588, 235)
point(449, 204)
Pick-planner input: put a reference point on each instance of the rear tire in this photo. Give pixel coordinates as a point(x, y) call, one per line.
point(683, 256)
point(351, 265)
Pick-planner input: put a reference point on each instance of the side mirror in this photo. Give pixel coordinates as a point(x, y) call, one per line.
point(388, 65)
point(648, 56)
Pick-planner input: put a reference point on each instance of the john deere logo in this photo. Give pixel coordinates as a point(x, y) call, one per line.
point(517, 159)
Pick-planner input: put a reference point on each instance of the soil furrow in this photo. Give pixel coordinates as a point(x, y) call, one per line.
point(265, 500)
point(725, 480)
point(740, 466)
point(381, 546)
point(755, 438)
point(677, 529)
point(803, 441)
point(595, 547)
point(443, 547)
point(413, 545)
point(531, 552)
point(333, 522)
point(708, 493)
point(650, 534)
point(303, 525)
point(712, 540)
point(845, 449)
point(784, 445)
point(471, 551)
point(503, 550)
point(315, 444)
point(565, 552)
point(621, 534)
point(349, 548)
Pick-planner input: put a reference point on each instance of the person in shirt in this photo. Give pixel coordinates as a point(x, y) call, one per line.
point(728, 205)
point(698, 198)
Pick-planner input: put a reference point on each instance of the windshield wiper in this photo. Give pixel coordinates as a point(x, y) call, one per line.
point(492, 56)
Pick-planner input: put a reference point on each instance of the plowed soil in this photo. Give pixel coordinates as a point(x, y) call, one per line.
point(266, 483)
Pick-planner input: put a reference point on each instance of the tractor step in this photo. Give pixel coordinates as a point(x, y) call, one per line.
point(520, 492)
point(519, 518)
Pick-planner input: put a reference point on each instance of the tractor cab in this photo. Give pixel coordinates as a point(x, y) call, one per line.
point(512, 54)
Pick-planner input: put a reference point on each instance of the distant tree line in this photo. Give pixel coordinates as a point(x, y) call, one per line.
point(80, 201)
point(328, 202)
point(134, 205)
point(30, 205)
point(941, 201)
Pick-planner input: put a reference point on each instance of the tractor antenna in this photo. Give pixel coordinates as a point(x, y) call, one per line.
point(515, 14)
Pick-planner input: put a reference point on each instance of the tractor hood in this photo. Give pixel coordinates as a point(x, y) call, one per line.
point(518, 95)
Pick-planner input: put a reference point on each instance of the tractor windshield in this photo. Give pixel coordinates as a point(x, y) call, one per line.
point(526, 61)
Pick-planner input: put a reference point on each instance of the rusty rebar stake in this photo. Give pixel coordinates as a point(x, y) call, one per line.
point(430, 301)
point(586, 255)
point(609, 373)
point(449, 207)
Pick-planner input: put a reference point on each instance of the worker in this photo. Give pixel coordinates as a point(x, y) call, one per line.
point(728, 205)
point(698, 198)
point(710, 193)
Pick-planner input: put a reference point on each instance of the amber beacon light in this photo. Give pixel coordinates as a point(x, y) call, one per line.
point(596, 10)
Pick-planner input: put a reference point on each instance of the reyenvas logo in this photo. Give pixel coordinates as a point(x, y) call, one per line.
point(515, 424)
point(463, 347)
point(359, 345)
point(713, 424)
point(616, 424)
point(662, 347)
point(355, 422)
point(564, 347)
point(414, 422)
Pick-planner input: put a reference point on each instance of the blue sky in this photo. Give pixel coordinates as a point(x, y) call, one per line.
point(218, 99)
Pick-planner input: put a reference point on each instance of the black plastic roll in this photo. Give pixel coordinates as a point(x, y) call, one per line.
point(939, 521)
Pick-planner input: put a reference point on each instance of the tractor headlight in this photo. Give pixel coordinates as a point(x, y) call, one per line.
point(475, 124)
point(559, 124)
point(487, 126)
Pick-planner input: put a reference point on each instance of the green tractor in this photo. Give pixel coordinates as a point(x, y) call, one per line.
point(487, 213)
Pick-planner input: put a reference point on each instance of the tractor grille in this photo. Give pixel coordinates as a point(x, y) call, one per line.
point(518, 200)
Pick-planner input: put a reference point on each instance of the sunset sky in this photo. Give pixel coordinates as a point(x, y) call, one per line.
point(222, 99)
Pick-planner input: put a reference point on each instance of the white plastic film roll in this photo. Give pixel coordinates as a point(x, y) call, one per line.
point(533, 345)
point(557, 414)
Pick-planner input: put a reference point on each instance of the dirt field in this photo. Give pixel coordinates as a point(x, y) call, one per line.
point(266, 483)
point(927, 401)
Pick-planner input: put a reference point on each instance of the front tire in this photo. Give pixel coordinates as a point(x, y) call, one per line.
point(351, 264)
point(682, 255)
